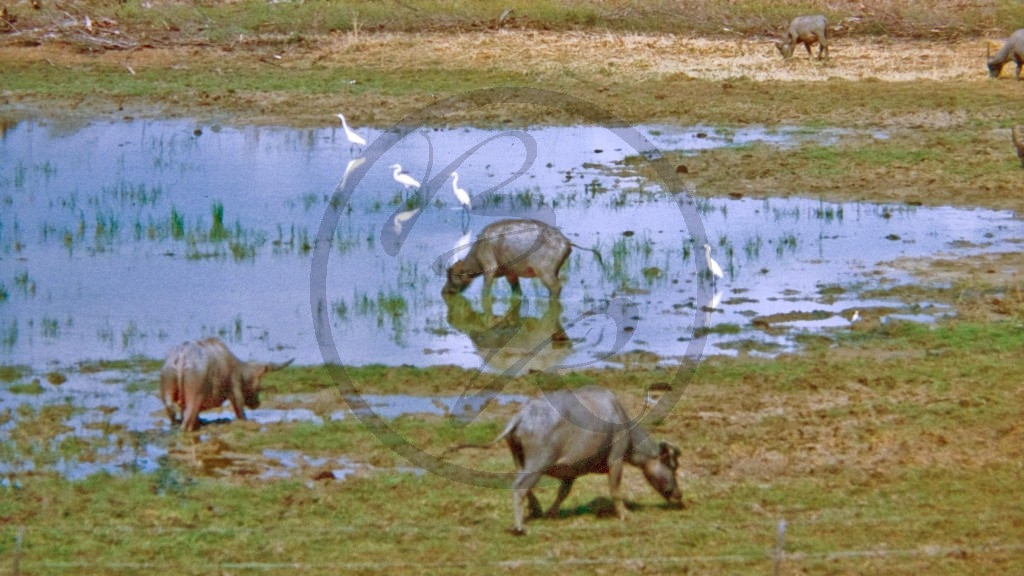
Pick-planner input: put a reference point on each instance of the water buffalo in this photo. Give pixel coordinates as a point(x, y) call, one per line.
point(806, 30)
point(1012, 50)
point(567, 434)
point(202, 374)
point(515, 249)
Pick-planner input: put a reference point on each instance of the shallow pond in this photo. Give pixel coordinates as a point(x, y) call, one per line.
point(124, 238)
point(121, 239)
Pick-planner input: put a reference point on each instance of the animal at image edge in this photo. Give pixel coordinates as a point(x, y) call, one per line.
point(570, 433)
point(515, 249)
point(200, 375)
point(1018, 142)
point(806, 30)
point(1012, 50)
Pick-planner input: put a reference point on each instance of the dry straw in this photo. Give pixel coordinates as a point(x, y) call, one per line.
point(603, 57)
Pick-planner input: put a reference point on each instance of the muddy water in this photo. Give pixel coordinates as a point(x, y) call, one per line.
point(123, 238)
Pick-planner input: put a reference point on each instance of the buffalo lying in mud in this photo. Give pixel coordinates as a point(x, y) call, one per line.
point(1012, 50)
point(515, 248)
point(569, 433)
point(806, 30)
point(202, 374)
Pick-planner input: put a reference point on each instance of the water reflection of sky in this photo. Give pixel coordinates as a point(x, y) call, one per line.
point(92, 269)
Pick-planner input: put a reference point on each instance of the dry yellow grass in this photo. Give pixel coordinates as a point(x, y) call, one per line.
point(646, 56)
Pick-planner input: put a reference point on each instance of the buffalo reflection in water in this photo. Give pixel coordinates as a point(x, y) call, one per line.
point(512, 343)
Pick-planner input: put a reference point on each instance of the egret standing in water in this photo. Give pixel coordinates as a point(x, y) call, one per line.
point(403, 178)
point(716, 270)
point(461, 195)
point(352, 136)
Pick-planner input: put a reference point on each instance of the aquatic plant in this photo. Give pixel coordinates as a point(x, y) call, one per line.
point(9, 334)
point(310, 200)
point(788, 241)
point(177, 224)
point(25, 285)
point(341, 309)
point(828, 213)
point(105, 333)
point(130, 335)
point(217, 231)
point(49, 327)
point(752, 247)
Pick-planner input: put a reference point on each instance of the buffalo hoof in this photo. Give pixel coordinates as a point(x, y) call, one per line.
point(517, 531)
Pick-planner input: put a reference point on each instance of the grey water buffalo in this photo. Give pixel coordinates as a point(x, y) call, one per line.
point(1012, 50)
point(515, 249)
point(569, 433)
point(202, 374)
point(806, 30)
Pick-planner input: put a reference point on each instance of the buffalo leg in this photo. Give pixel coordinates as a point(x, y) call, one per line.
point(614, 486)
point(563, 493)
point(521, 488)
point(554, 286)
point(189, 417)
point(535, 510)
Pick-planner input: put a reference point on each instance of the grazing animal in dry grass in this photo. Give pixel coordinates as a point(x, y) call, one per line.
point(1012, 50)
point(806, 30)
point(1018, 141)
point(570, 433)
point(201, 375)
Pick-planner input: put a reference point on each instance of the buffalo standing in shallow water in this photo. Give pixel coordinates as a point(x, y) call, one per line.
point(202, 374)
point(570, 433)
point(515, 249)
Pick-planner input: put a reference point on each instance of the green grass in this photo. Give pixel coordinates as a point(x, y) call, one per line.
point(895, 450)
point(292, 22)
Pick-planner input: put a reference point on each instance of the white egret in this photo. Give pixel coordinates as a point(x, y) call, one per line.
point(352, 136)
point(401, 218)
point(855, 317)
point(716, 270)
point(460, 194)
point(403, 178)
point(461, 247)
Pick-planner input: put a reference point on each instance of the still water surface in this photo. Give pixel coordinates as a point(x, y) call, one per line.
point(123, 238)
